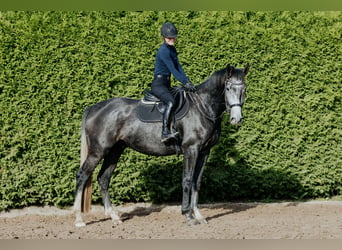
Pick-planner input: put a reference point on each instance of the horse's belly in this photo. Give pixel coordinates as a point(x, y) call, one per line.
point(154, 149)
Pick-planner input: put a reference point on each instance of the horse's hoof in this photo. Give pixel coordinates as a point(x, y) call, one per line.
point(80, 224)
point(193, 222)
point(115, 218)
point(117, 222)
point(203, 221)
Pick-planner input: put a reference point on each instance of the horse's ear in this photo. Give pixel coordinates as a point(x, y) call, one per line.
point(245, 71)
point(229, 70)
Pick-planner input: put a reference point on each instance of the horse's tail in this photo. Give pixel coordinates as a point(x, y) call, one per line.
point(87, 191)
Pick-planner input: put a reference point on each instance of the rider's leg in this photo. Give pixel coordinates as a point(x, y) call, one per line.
point(167, 117)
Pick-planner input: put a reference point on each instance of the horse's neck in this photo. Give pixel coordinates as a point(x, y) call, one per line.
point(211, 97)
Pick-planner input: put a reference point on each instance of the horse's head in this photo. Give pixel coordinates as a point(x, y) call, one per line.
point(235, 89)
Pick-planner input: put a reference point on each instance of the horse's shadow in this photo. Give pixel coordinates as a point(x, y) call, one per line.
point(131, 213)
point(141, 211)
point(229, 208)
point(97, 221)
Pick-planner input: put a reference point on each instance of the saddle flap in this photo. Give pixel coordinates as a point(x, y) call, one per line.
point(151, 109)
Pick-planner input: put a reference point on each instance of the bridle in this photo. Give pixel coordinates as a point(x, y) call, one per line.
point(228, 83)
point(201, 104)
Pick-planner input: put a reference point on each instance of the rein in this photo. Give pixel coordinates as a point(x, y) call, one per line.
point(196, 99)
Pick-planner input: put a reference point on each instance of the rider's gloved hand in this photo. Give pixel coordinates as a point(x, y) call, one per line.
point(189, 86)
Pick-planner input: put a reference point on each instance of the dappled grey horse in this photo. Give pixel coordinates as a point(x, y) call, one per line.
point(110, 126)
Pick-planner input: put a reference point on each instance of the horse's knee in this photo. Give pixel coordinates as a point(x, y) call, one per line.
point(186, 181)
point(186, 184)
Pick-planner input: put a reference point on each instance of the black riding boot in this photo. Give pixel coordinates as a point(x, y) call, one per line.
point(166, 134)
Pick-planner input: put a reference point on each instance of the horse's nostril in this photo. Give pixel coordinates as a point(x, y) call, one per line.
point(235, 121)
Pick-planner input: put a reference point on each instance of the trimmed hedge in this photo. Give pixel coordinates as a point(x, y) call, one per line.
point(55, 64)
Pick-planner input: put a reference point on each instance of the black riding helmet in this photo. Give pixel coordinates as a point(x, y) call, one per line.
point(169, 30)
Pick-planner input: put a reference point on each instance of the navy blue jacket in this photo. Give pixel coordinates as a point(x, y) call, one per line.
point(167, 63)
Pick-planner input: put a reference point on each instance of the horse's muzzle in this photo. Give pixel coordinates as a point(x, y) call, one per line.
point(235, 115)
point(235, 121)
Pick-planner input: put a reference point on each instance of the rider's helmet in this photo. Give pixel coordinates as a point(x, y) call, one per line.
point(169, 30)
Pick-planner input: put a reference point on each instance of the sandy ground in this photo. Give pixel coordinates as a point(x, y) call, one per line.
point(289, 220)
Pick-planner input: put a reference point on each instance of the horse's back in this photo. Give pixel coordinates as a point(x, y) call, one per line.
point(110, 106)
point(109, 113)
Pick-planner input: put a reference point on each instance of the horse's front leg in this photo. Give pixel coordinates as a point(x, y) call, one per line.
point(194, 201)
point(190, 157)
point(202, 159)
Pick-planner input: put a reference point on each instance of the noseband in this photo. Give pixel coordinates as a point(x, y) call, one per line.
point(236, 105)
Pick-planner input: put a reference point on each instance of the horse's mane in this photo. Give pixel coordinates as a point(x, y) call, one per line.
point(214, 78)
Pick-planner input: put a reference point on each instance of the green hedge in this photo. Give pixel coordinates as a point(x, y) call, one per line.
point(54, 64)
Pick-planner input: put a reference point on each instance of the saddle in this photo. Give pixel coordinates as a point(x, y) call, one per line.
point(151, 109)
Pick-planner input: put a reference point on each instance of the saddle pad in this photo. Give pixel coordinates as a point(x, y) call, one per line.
point(150, 112)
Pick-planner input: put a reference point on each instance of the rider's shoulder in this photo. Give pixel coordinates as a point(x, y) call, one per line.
point(163, 49)
point(164, 46)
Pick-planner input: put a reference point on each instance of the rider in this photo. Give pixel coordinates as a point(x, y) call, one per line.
point(167, 63)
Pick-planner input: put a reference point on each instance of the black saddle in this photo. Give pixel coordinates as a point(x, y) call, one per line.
point(151, 109)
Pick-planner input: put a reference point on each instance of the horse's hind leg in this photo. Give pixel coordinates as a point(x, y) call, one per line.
point(108, 166)
point(82, 176)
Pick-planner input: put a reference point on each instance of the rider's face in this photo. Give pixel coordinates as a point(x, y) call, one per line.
point(170, 40)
